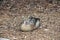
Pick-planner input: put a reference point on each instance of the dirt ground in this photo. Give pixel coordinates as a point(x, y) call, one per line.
point(12, 13)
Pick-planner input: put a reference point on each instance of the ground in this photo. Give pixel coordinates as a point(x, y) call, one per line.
point(12, 13)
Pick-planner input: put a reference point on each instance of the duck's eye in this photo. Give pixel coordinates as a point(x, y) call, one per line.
point(1, 1)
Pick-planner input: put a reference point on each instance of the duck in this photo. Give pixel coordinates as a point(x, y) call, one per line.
point(30, 24)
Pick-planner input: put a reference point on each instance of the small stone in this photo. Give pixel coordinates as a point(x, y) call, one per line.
point(4, 39)
point(30, 24)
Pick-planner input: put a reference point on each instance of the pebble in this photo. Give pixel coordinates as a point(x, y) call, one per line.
point(4, 39)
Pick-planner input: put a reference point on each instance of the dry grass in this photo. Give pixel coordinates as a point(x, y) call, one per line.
point(12, 13)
